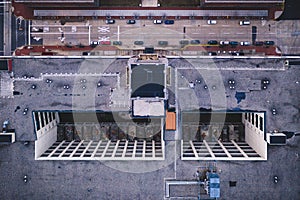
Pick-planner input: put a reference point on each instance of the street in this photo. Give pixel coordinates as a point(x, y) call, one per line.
point(96, 30)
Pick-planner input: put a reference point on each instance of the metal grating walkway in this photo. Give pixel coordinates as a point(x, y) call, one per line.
point(105, 150)
point(196, 150)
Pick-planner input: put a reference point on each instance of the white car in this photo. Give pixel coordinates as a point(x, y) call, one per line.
point(46, 29)
point(245, 43)
point(211, 22)
point(37, 38)
point(74, 29)
point(157, 21)
point(94, 43)
point(224, 42)
point(35, 29)
point(245, 22)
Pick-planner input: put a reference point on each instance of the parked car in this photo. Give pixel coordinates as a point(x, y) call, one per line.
point(138, 42)
point(130, 21)
point(94, 43)
point(237, 53)
point(46, 29)
point(211, 22)
point(163, 43)
point(184, 42)
point(244, 22)
point(119, 43)
point(85, 53)
point(212, 42)
point(212, 53)
point(269, 43)
point(258, 43)
point(233, 43)
point(157, 21)
point(105, 42)
point(245, 43)
point(74, 29)
point(35, 29)
point(195, 41)
point(224, 42)
point(110, 21)
point(37, 38)
point(169, 21)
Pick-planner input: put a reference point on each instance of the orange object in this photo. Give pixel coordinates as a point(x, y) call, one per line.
point(171, 121)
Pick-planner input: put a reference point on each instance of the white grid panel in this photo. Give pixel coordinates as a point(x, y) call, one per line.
point(105, 150)
point(196, 150)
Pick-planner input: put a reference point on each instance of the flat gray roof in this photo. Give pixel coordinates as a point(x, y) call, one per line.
point(147, 80)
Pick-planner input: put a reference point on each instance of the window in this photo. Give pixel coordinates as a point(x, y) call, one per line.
point(252, 118)
point(42, 119)
point(37, 122)
point(50, 116)
point(46, 114)
point(246, 116)
point(261, 124)
point(256, 121)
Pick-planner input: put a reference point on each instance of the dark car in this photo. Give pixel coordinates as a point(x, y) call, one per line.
point(138, 42)
point(258, 43)
point(184, 42)
point(212, 42)
point(119, 43)
point(169, 21)
point(110, 21)
point(233, 43)
point(163, 43)
point(269, 43)
point(195, 41)
point(212, 53)
point(130, 21)
point(237, 54)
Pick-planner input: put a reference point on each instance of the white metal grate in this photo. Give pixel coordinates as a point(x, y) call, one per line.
point(105, 150)
point(196, 150)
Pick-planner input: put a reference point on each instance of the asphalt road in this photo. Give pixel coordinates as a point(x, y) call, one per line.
point(151, 33)
point(285, 34)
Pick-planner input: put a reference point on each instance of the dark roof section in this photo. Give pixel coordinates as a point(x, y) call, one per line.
point(147, 80)
point(290, 12)
point(3, 65)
